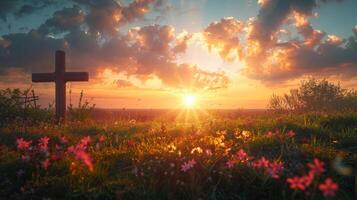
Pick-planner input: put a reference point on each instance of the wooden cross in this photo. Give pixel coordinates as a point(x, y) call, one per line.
point(60, 77)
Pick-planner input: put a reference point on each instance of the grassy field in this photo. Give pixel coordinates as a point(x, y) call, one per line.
point(241, 157)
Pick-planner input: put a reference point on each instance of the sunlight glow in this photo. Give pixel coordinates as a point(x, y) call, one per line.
point(189, 101)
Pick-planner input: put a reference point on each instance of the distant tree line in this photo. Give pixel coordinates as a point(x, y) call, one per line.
point(314, 95)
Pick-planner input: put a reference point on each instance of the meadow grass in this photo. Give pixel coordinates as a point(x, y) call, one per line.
point(152, 160)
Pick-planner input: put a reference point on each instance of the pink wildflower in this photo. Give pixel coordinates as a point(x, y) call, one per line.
point(23, 144)
point(242, 156)
point(188, 165)
point(296, 183)
point(317, 167)
point(291, 134)
point(230, 163)
point(280, 136)
point(25, 158)
point(328, 188)
point(45, 163)
point(70, 149)
point(85, 140)
point(43, 143)
point(270, 134)
point(102, 138)
point(63, 140)
point(275, 168)
point(79, 152)
point(261, 163)
point(85, 158)
point(308, 179)
point(55, 157)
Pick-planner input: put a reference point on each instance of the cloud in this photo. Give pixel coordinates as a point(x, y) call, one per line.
point(316, 54)
point(155, 52)
point(263, 30)
point(224, 37)
point(106, 16)
point(30, 51)
point(272, 61)
point(120, 83)
point(63, 20)
point(156, 39)
point(144, 52)
point(18, 77)
point(334, 40)
point(181, 42)
point(137, 9)
point(268, 57)
point(21, 8)
point(6, 7)
point(273, 14)
point(312, 37)
point(92, 34)
point(103, 17)
point(31, 6)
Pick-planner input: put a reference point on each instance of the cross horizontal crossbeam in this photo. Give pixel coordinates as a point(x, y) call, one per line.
point(60, 77)
point(67, 76)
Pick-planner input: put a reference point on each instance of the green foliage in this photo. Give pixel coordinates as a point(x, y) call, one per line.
point(82, 112)
point(315, 96)
point(13, 107)
point(134, 161)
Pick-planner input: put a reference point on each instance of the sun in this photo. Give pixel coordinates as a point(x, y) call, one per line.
point(189, 101)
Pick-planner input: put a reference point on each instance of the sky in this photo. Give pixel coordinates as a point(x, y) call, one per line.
point(153, 53)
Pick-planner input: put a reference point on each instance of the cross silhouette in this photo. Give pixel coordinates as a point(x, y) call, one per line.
point(60, 77)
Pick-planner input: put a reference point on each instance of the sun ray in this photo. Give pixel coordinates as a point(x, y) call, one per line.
point(189, 101)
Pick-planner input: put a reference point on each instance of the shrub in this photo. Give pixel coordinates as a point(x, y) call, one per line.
point(315, 96)
point(14, 108)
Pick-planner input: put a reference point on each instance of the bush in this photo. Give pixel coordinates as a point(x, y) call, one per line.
point(13, 107)
point(315, 96)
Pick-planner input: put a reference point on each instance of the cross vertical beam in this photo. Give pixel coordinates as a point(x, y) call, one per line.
point(60, 68)
point(60, 77)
